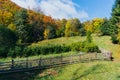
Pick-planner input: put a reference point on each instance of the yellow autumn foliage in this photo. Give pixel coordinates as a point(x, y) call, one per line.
point(93, 25)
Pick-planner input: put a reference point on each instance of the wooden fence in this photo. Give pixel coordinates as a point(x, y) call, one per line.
point(21, 65)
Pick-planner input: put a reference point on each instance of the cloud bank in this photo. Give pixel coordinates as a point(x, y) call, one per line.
point(56, 8)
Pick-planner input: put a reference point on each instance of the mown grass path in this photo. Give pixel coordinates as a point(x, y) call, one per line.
point(106, 43)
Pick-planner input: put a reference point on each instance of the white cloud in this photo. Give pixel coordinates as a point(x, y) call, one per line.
point(55, 8)
point(26, 3)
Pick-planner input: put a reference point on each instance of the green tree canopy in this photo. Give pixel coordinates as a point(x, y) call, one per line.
point(21, 20)
point(7, 40)
point(72, 27)
point(116, 12)
point(107, 28)
point(115, 19)
point(50, 32)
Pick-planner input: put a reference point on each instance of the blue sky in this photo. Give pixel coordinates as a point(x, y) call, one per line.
point(96, 8)
point(82, 9)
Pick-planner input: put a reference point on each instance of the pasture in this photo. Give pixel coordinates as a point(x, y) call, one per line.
point(97, 70)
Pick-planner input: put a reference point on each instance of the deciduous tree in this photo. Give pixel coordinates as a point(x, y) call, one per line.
point(72, 27)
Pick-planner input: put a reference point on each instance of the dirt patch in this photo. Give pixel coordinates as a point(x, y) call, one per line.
point(49, 72)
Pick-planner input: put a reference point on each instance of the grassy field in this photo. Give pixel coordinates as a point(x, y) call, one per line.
point(98, 70)
point(62, 40)
point(103, 42)
point(84, 71)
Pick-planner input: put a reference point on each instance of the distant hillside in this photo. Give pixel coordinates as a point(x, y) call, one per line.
point(8, 10)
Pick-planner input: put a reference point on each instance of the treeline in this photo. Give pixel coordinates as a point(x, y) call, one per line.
point(18, 25)
point(30, 26)
point(33, 26)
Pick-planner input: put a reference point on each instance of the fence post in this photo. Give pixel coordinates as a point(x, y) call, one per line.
point(61, 58)
point(95, 56)
point(110, 56)
point(26, 62)
point(12, 64)
point(79, 57)
point(70, 60)
point(89, 57)
point(40, 61)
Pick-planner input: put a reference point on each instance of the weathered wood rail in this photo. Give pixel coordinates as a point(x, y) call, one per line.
point(21, 65)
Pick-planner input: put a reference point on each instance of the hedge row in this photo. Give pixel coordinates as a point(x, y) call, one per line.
point(49, 49)
point(37, 50)
point(19, 51)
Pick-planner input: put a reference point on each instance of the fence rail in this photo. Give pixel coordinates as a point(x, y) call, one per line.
point(21, 65)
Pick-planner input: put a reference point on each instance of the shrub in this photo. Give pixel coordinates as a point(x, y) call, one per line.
point(84, 46)
point(91, 47)
point(89, 37)
point(76, 46)
point(114, 39)
point(3, 51)
point(7, 40)
point(25, 51)
point(17, 51)
point(11, 53)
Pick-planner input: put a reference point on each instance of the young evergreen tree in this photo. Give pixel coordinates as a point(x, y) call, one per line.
point(116, 12)
point(89, 37)
point(107, 28)
point(21, 19)
point(115, 19)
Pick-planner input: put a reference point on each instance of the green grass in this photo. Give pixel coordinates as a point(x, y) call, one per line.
point(106, 43)
point(97, 70)
point(62, 40)
point(101, 70)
